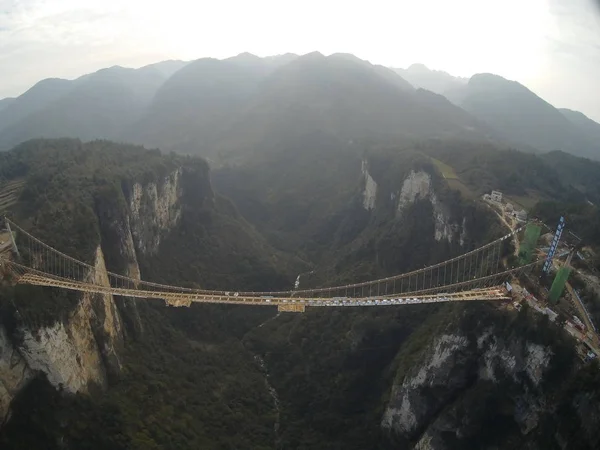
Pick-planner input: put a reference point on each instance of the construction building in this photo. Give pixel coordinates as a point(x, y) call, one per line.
point(496, 196)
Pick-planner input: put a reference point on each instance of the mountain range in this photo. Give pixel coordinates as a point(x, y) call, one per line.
point(322, 171)
point(232, 108)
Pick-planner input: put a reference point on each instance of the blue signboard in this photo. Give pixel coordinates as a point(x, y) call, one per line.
point(554, 244)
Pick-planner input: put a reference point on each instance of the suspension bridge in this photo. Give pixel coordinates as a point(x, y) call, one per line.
point(479, 274)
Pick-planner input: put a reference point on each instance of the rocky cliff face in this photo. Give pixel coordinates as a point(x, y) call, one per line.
point(370, 190)
point(73, 353)
point(155, 208)
point(135, 229)
point(14, 373)
point(418, 186)
point(462, 380)
point(84, 348)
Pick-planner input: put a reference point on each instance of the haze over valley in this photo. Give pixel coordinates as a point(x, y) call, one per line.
point(205, 106)
point(334, 249)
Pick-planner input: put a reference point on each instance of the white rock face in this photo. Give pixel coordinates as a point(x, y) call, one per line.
point(537, 361)
point(112, 325)
point(14, 373)
point(78, 351)
point(404, 419)
point(494, 358)
point(68, 353)
point(444, 368)
point(370, 191)
point(133, 268)
point(424, 443)
point(154, 209)
point(418, 186)
point(463, 232)
point(443, 348)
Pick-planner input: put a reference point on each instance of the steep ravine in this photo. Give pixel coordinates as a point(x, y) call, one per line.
point(265, 372)
point(274, 396)
point(215, 376)
point(85, 347)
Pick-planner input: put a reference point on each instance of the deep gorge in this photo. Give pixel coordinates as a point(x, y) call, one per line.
point(102, 372)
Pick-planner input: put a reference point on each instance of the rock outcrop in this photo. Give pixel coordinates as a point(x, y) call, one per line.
point(370, 190)
point(418, 185)
point(155, 208)
point(427, 402)
point(14, 373)
point(84, 348)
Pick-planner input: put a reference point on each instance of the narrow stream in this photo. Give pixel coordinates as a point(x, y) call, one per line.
point(274, 396)
point(272, 392)
point(297, 283)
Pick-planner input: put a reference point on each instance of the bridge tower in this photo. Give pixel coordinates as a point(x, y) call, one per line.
point(554, 245)
point(532, 234)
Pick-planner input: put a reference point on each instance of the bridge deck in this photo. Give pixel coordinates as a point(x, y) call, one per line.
point(285, 303)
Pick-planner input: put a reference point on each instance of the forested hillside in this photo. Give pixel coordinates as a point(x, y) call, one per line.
point(522, 118)
point(222, 109)
point(73, 195)
point(319, 170)
point(194, 377)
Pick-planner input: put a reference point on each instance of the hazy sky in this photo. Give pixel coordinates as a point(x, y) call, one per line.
point(551, 46)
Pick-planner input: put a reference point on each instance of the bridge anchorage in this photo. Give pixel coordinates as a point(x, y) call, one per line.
point(475, 275)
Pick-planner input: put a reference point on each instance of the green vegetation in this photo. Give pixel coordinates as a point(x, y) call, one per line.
point(233, 255)
point(103, 104)
point(290, 137)
point(581, 218)
point(9, 194)
point(447, 172)
point(485, 167)
point(64, 184)
point(189, 386)
point(63, 180)
point(522, 118)
point(526, 202)
point(332, 371)
point(190, 379)
point(452, 179)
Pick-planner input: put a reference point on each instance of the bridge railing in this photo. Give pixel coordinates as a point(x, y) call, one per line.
point(480, 267)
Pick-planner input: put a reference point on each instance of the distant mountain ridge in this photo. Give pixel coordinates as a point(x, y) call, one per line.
point(97, 105)
point(243, 104)
point(590, 128)
point(519, 116)
point(522, 117)
point(436, 81)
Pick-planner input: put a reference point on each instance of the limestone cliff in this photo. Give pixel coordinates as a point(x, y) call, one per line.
point(84, 348)
point(466, 376)
point(14, 373)
point(71, 353)
point(155, 208)
point(418, 185)
point(445, 368)
point(370, 190)
point(133, 228)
